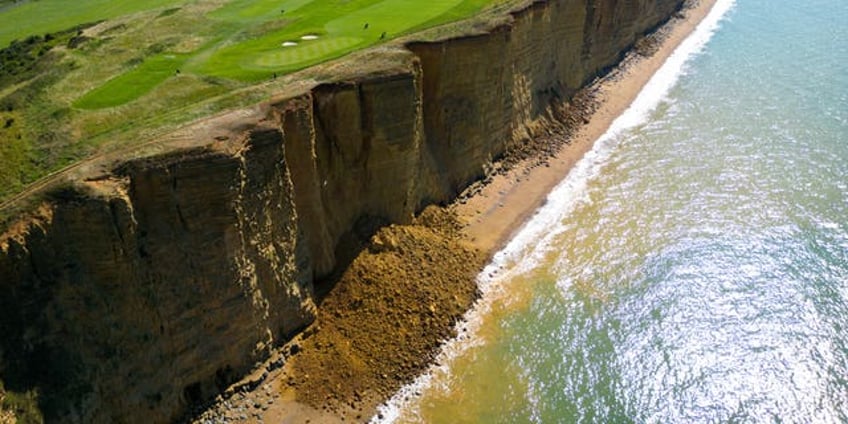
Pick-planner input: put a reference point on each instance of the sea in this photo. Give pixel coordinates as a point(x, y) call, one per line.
point(693, 267)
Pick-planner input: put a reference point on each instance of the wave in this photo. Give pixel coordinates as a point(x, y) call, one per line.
point(529, 246)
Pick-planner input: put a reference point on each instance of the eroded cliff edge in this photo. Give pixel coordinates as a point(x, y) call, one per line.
point(140, 290)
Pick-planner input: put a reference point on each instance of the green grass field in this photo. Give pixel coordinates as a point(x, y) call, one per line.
point(254, 39)
point(132, 84)
point(151, 64)
point(340, 27)
point(34, 17)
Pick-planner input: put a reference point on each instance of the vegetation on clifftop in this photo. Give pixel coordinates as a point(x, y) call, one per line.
point(68, 92)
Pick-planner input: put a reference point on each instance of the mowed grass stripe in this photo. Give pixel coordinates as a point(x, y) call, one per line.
point(132, 84)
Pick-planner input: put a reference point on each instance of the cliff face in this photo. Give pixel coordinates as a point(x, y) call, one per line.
point(131, 296)
point(157, 288)
point(357, 150)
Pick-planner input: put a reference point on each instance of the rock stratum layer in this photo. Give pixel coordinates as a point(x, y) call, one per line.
point(135, 293)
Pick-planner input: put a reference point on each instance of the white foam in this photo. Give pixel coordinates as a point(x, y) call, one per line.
point(528, 248)
point(830, 225)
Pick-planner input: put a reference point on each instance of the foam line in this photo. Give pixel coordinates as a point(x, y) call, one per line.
point(529, 246)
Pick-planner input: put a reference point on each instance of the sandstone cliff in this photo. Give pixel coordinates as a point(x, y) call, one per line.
point(133, 294)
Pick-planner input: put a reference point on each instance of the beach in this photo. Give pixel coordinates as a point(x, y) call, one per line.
point(499, 209)
point(358, 354)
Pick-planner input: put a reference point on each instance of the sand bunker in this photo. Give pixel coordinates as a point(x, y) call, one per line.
point(309, 37)
point(289, 44)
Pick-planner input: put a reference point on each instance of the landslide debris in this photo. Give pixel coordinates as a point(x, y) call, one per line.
point(382, 323)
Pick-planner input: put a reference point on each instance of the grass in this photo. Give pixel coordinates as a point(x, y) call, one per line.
point(72, 94)
point(341, 27)
point(26, 18)
point(21, 408)
point(280, 46)
point(14, 153)
point(338, 27)
point(22, 57)
point(250, 10)
point(134, 83)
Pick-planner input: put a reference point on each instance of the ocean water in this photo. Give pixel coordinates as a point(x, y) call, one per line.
point(694, 266)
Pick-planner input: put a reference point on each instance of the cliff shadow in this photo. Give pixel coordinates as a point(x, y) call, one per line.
point(350, 245)
point(41, 379)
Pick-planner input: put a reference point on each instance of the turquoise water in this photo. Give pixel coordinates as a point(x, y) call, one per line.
point(694, 267)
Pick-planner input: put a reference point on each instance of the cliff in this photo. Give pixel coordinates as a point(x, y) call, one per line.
point(135, 293)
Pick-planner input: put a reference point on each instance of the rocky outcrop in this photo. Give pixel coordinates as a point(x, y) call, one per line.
point(130, 296)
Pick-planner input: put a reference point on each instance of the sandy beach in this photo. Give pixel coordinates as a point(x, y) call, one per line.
point(497, 211)
point(359, 366)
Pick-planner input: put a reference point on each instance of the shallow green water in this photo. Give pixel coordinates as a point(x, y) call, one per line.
point(694, 268)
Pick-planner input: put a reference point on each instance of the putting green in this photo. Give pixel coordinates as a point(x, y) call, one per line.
point(389, 16)
point(306, 51)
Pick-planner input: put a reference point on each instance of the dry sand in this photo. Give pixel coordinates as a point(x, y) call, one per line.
point(354, 374)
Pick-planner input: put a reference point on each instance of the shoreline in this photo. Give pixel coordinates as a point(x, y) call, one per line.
point(501, 207)
point(489, 215)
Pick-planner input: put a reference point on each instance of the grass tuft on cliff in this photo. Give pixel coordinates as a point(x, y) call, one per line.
point(19, 408)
